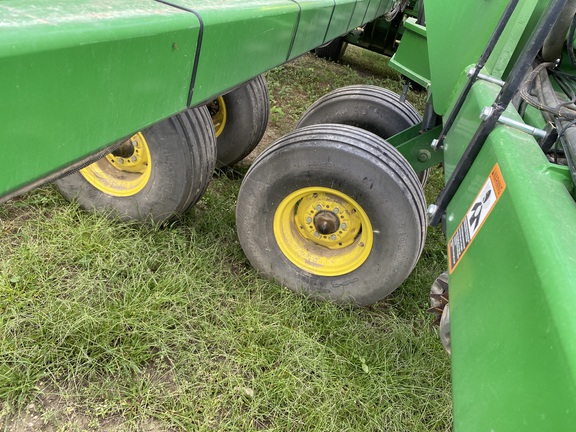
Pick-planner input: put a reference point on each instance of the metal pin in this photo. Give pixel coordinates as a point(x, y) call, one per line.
point(486, 78)
point(522, 127)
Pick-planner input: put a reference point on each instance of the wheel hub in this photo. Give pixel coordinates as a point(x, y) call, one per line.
point(126, 150)
point(323, 231)
point(218, 112)
point(326, 222)
point(125, 171)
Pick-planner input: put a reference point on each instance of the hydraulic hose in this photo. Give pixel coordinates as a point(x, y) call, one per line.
point(552, 49)
point(566, 126)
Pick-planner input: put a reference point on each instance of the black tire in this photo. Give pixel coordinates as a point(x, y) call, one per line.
point(175, 172)
point(333, 50)
point(371, 108)
point(241, 128)
point(354, 175)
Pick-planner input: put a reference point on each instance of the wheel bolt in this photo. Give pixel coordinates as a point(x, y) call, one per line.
point(308, 219)
point(343, 226)
point(133, 158)
point(336, 210)
point(316, 234)
point(134, 143)
point(332, 237)
point(120, 161)
point(318, 207)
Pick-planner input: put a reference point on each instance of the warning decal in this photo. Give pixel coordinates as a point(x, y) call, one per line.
point(477, 214)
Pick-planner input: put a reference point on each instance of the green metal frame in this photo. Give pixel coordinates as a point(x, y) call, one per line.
point(78, 76)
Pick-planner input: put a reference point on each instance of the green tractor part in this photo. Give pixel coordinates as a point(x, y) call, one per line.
point(81, 76)
point(508, 209)
point(335, 209)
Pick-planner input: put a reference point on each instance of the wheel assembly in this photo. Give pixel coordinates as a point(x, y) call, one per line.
point(240, 118)
point(333, 50)
point(155, 174)
point(332, 211)
point(372, 108)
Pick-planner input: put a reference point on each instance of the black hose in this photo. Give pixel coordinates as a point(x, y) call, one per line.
point(552, 48)
point(566, 127)
point(570, 42)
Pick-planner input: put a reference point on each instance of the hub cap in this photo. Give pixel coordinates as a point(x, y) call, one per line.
point(323, 231)
point(217, 109)
point(124, 172)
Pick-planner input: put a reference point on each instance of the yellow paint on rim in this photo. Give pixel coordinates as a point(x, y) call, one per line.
point(341, 250)
point(122, 176)
point(219, 114)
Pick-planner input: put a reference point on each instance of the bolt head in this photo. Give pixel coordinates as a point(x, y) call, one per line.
point(316, 234)
point(344, 226)
point(336, 210)
point(431, 211)
point(332, 237)
point(308, 219)
point(120, 160)
point(486, 112)
point(423, 155)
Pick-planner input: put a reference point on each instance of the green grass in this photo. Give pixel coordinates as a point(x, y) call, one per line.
point(106, 325)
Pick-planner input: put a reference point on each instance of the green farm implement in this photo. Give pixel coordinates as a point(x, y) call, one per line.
point(129, 106)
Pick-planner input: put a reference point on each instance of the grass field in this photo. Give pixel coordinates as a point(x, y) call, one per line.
point(114, 326)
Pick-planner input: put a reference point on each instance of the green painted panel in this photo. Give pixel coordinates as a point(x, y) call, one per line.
point(359, 13)
point(513, 292)
point(372, 10)
point(79, 75)
point(313, 24)
point(411, 57)
point(241, 40)
point(340, 23)
point(457, 34)
point(514, 37)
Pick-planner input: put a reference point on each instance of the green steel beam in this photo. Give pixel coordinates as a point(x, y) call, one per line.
point(79, 75)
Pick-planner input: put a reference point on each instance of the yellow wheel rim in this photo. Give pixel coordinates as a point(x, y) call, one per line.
point(218, 113)
point(323, 231)
point(124, 172)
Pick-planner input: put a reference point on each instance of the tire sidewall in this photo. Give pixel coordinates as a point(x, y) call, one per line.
point(247, 112)
point(168, 189)
point(362, 111)
point(386, 265)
